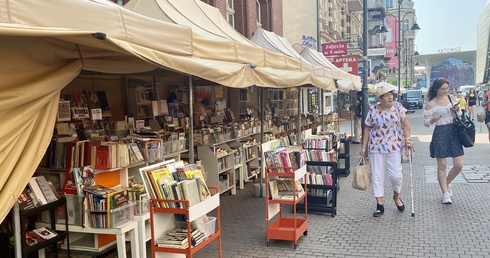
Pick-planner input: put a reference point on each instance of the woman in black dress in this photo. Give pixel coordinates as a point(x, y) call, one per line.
point(471, 103)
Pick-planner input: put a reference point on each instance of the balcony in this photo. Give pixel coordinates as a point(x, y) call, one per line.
point(354, 5)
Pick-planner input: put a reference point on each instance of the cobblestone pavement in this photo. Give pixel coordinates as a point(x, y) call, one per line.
point(458, 230)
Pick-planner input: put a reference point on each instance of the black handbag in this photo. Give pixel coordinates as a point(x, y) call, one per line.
point(464, 128)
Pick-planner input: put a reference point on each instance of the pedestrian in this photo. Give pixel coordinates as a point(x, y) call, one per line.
point(462, 103)
point(445, 142)
point(471, 104)
point(358, 119)
point(487, 111)
point(481, 96)
point(382, 138)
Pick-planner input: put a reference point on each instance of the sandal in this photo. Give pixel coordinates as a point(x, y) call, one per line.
point(380, 210)
point(401, 208)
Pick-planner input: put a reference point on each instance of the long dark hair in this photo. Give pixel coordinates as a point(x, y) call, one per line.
point(436, 85)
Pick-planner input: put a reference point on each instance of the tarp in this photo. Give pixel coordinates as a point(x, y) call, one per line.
point(207, 23)
point(345, 81)
point(278, 44)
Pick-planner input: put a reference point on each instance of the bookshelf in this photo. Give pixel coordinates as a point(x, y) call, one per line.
point(139, 98)
point(239, 107)
point(292, 102)
point(219, 161)
point(276, 100)
point(20, 216)
point(285, 228)
point(322, 197)
point(322, 176)
point(344, 155)
point(163, 220)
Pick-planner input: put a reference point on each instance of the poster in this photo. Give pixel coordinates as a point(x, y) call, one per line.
point(218, 92)
point(203, 92)
point(63, 111)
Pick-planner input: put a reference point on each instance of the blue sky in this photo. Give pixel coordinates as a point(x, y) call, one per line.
point(447, 24)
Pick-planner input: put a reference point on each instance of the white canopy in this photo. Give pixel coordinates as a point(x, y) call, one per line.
point(208, 25)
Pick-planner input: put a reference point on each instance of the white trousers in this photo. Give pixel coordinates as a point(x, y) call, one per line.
point(380, 162)
point(357, 129)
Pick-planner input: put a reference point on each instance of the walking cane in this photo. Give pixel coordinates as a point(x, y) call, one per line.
point(410, 153)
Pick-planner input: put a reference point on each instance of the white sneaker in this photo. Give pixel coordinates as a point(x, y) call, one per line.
point(446, 198)
point(450, 190)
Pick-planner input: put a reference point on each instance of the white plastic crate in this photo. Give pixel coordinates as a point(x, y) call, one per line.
point(111, 218)
point(208, 228)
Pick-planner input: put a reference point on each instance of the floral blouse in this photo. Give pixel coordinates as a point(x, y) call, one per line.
point(384, 136)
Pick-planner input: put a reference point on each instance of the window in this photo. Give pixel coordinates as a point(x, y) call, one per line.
point(230, 13)
point(389, 4)
point(406, 25)
point(257, 10)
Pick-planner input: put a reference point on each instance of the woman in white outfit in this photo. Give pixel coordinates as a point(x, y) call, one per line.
point(382, 138)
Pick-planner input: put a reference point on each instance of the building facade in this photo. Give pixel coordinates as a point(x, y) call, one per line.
point(401, 51)
point(482, 73)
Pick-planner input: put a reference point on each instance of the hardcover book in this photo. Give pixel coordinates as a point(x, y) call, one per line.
point(36, 190)
point(46, 189)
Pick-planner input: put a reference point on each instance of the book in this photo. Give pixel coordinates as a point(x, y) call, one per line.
point(36, 190)
point(273, 190)
point(46, 189)
point(174, 240)
point(191, 192)
point(25, 201)
point(137, 156)
point(45, 233)
point(32, 238)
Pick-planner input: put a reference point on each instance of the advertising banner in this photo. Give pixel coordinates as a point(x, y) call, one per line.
point(332, 49)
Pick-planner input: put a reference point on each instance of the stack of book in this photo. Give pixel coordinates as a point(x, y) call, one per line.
point(284, 189)
point(174, 180)
point(285, 160)
point(101, 201)
point(178, 238)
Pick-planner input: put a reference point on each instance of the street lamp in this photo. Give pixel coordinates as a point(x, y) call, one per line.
point(408, 51)
point(400, 2)
point(415, 27)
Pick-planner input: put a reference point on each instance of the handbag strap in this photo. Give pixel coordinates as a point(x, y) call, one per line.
point(455, 113)
point(399, 116)
point(361, 161)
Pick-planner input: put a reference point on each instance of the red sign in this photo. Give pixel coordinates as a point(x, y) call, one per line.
point(332, 49)
point(347, 64)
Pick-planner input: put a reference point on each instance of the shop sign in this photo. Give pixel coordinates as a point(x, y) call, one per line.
point(332, 49)
point(376, 52)
point(449, 49)
point(347, 64)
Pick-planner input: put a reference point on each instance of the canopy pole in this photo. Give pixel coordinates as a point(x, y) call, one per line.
point(262, 121)
point(318, 103)
point(191, 122)
point(300, 100)
point(364, 65)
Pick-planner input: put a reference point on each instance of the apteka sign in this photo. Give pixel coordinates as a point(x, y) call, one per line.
point(347, 64)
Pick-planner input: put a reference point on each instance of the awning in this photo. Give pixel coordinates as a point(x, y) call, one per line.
point(207, 24)
point(278, 44)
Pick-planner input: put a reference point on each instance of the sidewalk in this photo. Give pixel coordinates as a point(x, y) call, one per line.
point(458, 230)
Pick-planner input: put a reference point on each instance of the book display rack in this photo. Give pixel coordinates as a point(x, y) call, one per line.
point(162, 220)
point(27, 243)
point(344, 154)
point(285, 228)
point(322, 178)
